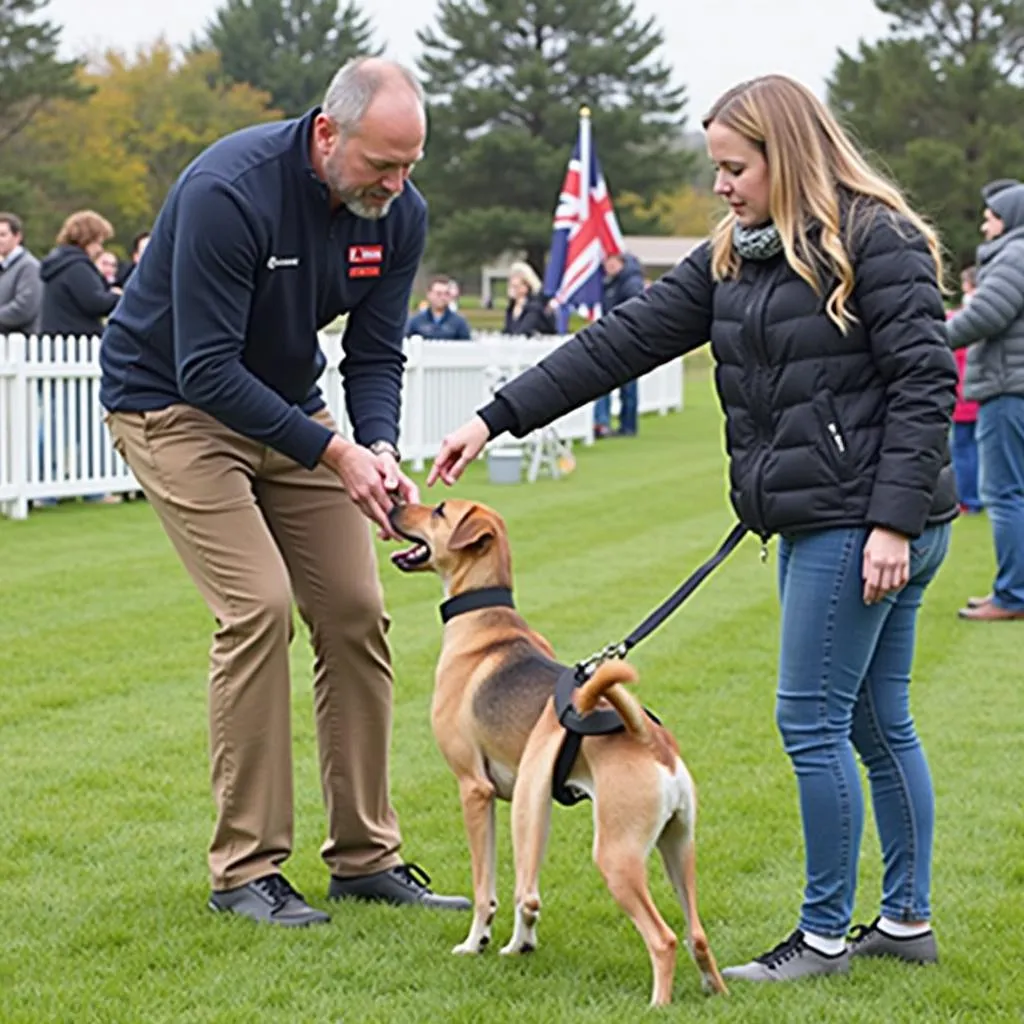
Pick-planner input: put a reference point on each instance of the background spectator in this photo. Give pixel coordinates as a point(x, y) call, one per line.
point(76, 298)
point(106, 264)
point(139, 243)
point(624, 279)
point(965, 417)
point(21, 290)
point(439, 321)
point(995, 379)
point(526, 312)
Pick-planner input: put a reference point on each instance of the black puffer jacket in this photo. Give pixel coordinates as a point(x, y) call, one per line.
point(823, 430)
point(534, 319)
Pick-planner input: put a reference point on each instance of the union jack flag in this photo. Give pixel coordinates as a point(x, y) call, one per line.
point(585, 231)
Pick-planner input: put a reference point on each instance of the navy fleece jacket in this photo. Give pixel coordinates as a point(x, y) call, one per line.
point(245, 264)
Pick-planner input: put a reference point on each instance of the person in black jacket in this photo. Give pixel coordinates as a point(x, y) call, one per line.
point(526, 312)
point(819, 291)
point(76, 298)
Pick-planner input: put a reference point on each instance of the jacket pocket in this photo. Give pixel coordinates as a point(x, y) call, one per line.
point(836, 441)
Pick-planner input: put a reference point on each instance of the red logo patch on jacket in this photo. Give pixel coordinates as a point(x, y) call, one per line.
point(361, 254)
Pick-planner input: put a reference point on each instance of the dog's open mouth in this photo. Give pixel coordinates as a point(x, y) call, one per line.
point(411, 558)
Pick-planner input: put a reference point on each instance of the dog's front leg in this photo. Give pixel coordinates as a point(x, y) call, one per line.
point(531, 821)
point(478, 813)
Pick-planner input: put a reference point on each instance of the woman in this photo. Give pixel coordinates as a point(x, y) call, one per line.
point(819, 292)
point(526, 313)
point(993, 326)
point(76, 298)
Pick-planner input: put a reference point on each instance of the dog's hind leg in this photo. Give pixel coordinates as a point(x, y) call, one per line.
point(531, 821)
point(678, 851)
point(477, 797)
point(622, 841)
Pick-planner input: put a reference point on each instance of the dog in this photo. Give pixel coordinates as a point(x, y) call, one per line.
point(493, 718)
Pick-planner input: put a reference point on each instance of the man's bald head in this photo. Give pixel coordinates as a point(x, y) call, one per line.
point(367, 82)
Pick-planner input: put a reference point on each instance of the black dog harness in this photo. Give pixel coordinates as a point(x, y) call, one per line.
point(607, 721)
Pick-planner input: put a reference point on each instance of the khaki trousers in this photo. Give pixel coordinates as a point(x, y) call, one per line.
point(253, 528)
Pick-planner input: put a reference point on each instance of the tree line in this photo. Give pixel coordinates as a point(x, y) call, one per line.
point(939, 103)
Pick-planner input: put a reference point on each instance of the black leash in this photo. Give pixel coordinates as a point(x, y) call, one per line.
point(599, 723)
point(670, 604)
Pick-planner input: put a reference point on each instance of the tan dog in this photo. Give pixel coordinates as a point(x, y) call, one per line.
point(494, 720)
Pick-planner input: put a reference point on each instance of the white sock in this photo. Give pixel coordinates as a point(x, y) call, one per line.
point(900, 930)
point(820, 944)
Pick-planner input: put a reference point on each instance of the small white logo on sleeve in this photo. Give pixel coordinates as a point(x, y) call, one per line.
point(282, 261)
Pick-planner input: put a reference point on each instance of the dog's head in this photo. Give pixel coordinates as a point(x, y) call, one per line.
point(464, 542)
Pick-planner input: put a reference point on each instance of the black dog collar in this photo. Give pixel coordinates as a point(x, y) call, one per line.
point(473, 600)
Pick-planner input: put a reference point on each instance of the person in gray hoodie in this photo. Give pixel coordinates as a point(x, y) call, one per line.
point(21, 290)
point(993, 325)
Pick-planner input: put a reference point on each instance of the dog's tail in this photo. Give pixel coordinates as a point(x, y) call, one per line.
point(607, 682)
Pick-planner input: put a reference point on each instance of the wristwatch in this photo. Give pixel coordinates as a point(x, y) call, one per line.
point(385, 448)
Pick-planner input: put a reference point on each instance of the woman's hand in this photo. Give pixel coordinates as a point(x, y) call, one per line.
point(886, 564)
point(458, 450)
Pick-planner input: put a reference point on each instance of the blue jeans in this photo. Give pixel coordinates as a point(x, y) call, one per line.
point(1001, 449)
point(627, 409)
point(844, 684)
point(965, 464)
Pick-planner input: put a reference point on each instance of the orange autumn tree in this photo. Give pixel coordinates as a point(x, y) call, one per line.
point(147, 118)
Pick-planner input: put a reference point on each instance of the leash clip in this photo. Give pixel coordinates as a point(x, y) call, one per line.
point(590, 665)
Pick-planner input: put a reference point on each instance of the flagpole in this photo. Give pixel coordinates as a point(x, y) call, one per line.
point(585, 183)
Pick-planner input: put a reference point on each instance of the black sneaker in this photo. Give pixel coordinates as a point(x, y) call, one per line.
point(271, 899)
point(405, 885)
point(870, 940)
point(789, 961)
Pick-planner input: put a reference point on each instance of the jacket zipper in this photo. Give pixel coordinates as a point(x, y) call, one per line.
point(754, 330)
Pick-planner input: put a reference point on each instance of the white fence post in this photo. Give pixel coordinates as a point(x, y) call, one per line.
point(14, 450)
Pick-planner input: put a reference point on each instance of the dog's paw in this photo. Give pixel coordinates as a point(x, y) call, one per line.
point(517, 948)
point(472, 947)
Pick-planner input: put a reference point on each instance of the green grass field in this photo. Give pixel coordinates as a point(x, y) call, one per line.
point(106, 810)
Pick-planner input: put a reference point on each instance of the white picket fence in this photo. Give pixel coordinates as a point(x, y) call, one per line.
point(54, 443)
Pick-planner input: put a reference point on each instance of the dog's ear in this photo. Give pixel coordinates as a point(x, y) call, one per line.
point(474, 528)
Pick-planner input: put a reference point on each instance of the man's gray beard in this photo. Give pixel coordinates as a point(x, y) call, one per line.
point(361, 209)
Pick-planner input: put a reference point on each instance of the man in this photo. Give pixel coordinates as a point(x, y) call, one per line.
point(139, 243)
point(21, 288)
point(438, 321)
point(992, 325)
point(209, 370)
point(624, 279)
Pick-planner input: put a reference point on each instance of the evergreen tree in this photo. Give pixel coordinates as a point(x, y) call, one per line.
point(505, 80)
point(290, 49)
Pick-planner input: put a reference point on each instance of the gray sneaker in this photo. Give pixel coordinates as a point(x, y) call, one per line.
point(790, 961)
point(870, 940)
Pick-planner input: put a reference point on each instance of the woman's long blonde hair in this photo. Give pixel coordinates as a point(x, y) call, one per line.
point(809, 158)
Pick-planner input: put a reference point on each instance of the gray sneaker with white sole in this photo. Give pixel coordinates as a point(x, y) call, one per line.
point(870, 940)
point(790, 961)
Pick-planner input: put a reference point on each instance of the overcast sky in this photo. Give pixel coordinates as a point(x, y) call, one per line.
point(711, 44)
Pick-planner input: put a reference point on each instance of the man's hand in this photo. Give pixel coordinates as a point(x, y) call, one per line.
point(373, 482)
point(886, 564)
point(458, 450)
